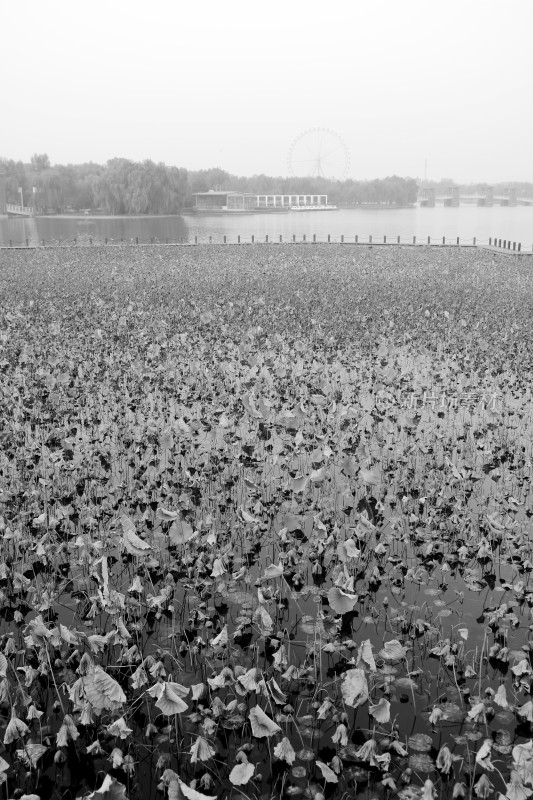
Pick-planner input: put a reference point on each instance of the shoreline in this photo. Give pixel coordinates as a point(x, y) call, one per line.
point(482, 246)
point(102, 216)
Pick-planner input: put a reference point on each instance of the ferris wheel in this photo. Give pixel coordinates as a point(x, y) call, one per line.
point(318, 153)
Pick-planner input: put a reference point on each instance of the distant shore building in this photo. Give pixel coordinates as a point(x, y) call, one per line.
point(217, 201)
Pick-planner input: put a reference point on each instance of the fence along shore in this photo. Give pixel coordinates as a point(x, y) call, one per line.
point(494, 243)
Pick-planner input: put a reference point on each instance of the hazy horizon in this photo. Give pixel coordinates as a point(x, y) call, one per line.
point(411, 88)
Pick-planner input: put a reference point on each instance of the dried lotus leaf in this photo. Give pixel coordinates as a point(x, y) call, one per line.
point(299, 772)
point(421, 762)
point(421, 742)
point(102, 691)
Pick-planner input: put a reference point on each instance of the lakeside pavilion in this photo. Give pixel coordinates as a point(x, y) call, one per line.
point(247, 201)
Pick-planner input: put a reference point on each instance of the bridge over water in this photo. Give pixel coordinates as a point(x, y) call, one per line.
point(454, 197)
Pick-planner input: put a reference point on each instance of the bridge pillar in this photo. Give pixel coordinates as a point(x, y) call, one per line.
point(3, 203)
point(428, 197)
point(488, 199)
point(509, 197)
point(451, 197)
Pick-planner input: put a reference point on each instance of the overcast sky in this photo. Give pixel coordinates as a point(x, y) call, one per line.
point(233, 83)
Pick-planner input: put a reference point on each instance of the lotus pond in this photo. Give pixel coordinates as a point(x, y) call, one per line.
point(265, 523)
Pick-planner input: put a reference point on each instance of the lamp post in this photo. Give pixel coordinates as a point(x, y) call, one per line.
point(21, 197)
point(34, 200)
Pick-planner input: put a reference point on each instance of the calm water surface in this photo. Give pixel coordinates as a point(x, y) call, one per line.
point(465, 222)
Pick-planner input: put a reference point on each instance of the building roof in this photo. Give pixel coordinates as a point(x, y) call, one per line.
point(213, 193)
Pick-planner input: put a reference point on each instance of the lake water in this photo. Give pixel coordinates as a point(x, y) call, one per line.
point(465, 222)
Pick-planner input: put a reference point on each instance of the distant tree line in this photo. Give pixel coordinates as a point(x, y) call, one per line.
point(122, 186)
point(392, 190)
point(119, 187)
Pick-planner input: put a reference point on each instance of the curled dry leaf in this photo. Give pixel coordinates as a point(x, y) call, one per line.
point(393, 650)
point(262, 725)
point(31, 753)
point(241, 773)
point(354, 688)
point(380, 711)
point(273, 571)
point(111, 789)
point(327, 773)
point(285, 751)
point(169, 702)
point(131, 541)
point(102, 691)
point(181, 532)
point(341, 601)
point(193, 794)
point(366, 655)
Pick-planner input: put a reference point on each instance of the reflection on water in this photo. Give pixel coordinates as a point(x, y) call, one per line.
point(61, 229)
point(465, 222)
